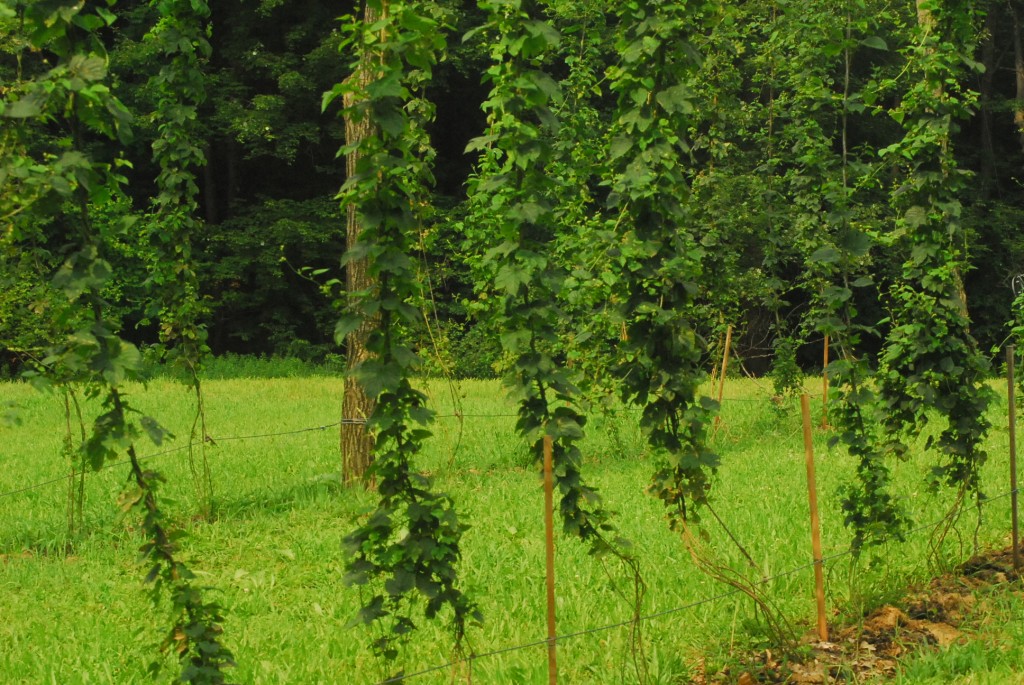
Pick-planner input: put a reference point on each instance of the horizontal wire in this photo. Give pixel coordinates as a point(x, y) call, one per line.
point(104, 467)
point(214, 440)
point(518, 647)
point(149, 457)
point(659, 614)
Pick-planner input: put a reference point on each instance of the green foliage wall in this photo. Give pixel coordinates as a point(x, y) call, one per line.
point(769, 79)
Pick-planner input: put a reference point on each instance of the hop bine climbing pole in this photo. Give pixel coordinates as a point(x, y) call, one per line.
point(930, 361)
point(406, 552)
point(181, 37)
point(515, 213)
point(92, 354)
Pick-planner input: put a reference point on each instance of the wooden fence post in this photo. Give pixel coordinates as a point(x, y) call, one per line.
point(549, 546)
point(721, 378)
point(1011, 393)
point(812, 491)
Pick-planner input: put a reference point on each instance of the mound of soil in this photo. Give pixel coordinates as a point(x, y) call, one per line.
point(929, 618)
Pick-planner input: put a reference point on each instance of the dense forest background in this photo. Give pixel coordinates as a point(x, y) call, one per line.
point(783, 89)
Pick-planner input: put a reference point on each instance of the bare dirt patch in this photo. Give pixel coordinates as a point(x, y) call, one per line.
point(930, 618)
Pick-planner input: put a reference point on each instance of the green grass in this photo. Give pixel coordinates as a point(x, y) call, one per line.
point(273, 556)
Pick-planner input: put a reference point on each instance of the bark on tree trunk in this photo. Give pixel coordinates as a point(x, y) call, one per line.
point(356, 406)
point(989, 178)
point(926, 20)
point(1018, 66)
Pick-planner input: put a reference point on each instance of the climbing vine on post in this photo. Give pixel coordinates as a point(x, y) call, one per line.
point(407, 551)
point(513, 197)
point(836, 269)
point(931, 361)
point(1017, 328)
point(181, 36)
point(26, 195)
point(516, 217)
point(660, 357)
point(73, 93)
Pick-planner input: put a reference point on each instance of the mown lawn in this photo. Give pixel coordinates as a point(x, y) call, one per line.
point(75, 611)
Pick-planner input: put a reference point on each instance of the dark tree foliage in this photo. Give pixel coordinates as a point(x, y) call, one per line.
point(271, 167)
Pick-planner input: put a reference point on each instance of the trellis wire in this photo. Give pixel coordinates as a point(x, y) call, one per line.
point(214, 440)
point(322, 427)
point(535, 643)
point(658, 614)
point(182, 448)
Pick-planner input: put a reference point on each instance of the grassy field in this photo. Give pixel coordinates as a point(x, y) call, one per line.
point(273, 557)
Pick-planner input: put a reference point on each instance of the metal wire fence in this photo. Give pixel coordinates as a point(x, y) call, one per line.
point(257, 436)
point(470, 659)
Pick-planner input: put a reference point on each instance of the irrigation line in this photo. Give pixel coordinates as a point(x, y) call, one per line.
point(621, 624)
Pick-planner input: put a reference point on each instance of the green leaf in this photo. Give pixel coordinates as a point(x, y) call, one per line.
point(825, 255)
point(874, 42)
point(413, 21)
point(154, 430)
point(347, 324)
point(29, 106)
point(620, 145)
point(372, 611)
point(675, 100)
point(511, 277)
point(389, 86)
point(400, 583)
point(107, 16)
point(89, 22)
point(88, 68)
point(391, 121)
point(857, 243)
point(515, 341)
point(916, 217)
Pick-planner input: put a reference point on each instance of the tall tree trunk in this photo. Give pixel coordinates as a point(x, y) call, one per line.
point(926, 20)
point(989, 178)
point(1018, 66)
point(356, 406)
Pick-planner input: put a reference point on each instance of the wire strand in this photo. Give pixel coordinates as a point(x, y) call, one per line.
point(155, 455)
point(512, 648)
point(658, 614)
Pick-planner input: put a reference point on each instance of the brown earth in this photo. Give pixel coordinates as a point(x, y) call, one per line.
point(929, 618)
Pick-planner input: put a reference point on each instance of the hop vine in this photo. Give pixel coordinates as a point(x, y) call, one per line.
point(930, 360)
point(515, 212)
point(661, 354)
point(92, 354)
point(406, 553)
point(181, 35)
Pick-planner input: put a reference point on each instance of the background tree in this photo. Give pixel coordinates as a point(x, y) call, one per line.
point(357, 406)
